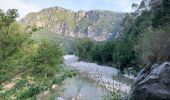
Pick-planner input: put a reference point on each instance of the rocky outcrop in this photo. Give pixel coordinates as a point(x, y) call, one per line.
point(96, 24)
point(153, 83)
point(147, 5)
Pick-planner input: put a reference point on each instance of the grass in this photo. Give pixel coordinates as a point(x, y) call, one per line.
point(27, 88)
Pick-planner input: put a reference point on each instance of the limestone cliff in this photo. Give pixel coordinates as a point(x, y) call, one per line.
point(96, 24)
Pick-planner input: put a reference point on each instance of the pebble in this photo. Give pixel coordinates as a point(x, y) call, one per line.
point(102, 74)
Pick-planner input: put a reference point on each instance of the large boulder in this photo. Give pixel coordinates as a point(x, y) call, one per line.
point(152, 83)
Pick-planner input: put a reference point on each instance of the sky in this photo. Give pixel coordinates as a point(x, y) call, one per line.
point(26, 6)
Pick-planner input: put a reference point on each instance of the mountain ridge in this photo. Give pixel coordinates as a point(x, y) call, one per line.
point(99, 25)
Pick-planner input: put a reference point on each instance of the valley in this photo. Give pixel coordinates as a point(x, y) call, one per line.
point(76, 50)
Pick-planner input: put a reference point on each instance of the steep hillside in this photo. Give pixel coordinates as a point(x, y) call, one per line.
point(97, 24)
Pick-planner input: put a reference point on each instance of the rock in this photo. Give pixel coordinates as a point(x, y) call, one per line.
point(147, 5)
point(60, 98)
point(73, 98)
point(46, 93)
point(9, 86)
point(99, 25)
point(153, 83)
point(55, 86)
point(103, 75)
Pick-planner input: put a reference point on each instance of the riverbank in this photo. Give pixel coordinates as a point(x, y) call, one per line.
point(103, 75)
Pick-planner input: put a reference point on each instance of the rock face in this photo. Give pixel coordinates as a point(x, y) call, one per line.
point(97, 24)
point(153, 83)
point(147, 5)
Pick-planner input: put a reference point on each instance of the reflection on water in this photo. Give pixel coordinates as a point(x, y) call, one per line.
point(82, 88)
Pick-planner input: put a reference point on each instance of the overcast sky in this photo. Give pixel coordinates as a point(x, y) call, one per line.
point(26, 6)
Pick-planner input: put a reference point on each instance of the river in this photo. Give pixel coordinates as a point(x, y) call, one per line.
point(94, 82)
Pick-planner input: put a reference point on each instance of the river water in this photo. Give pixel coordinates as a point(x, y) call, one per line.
point(94, 82)
point(89, 85)
point(82, 88)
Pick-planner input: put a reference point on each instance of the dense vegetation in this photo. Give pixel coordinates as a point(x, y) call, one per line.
point(144, 39)
point(30, 58)
point(28, 64)
point(67, 44)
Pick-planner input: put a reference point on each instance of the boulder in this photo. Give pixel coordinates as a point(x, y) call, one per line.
point(152, 83)
point(55, 86)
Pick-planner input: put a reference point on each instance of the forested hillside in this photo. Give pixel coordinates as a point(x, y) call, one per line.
point(144, 39)
point(112, 49)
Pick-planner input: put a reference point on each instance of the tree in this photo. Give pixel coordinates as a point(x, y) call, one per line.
point(43, 59)
point(102, 52)
point(135, 6)
point(12, 38)
point(124, 55)
point(154, 46)
point(9, 17)
point(161, 15)
point(83, 47)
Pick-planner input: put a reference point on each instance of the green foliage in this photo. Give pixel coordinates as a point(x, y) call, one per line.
point(32, 91)
point(12, 38)
point(139, 41)
point(124, 55)
point(34, 62)
point(83, 47)
point(67, 44)
point(123, 51)
point(112, 96)
point(20, 84)
point(118, 52)
point(154, 46)
point(58, 80)
point(43, 59)
point(49, 54)
point(161, 16)
point(7, 18)
point(70, 74)
point(102, 52)
point(140, 44)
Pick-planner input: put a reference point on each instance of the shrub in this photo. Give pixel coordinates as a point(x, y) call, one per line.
point(43, 60)
point(154, 46)
point(83, 48)
point(32, 91)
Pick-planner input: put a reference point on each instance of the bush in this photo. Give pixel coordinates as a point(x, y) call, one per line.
point(161, 15)
point(13, 37)
point(154, 46)
point(124, 55)
point(36, 62)
point(112, 96)
point(43, 60)
point(102, 52)
point(32, 91)
point(83, 48)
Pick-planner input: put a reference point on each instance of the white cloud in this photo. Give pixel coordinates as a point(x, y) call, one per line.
point(23, 8)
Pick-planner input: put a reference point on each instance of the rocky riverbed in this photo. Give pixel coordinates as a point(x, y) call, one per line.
point(101, 74)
